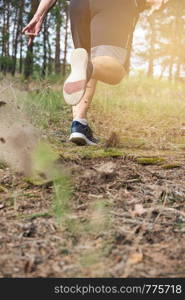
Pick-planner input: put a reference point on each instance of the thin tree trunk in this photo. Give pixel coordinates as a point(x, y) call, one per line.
point(50, 60)
point(178, 70)
point(21, 56)
point(17, 33)
point(7, 29)
point(163, 69)
point(44, 49)
point(170, 76)
point(58, 38)
point(28, 64)
point(66, 40)
point(152, 49)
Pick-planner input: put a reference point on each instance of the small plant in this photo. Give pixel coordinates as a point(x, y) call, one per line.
point(44, 106)
point(61, 202)
point(46, 168)
point(171, 166)
point(150, 160)
point(3, 165)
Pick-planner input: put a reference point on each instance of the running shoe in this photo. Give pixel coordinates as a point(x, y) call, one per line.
point(82, 135)
point(81, 71)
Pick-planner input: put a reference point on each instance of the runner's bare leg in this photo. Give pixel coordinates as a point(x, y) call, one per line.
point(105, 69)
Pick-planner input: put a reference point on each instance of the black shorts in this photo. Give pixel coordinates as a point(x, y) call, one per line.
point(104, 27)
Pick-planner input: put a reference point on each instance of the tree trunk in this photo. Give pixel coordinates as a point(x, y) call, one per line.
point(170, 76)
point(58, 38)
point(152, 47)
point(17, 33)
point(178, 70)
point(7, 29)
point(21, 56)
point(28, 64)
point(66, 39)
point(45, 33)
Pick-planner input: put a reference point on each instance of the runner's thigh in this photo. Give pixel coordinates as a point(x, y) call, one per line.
point(80, 23)
point(112, 22)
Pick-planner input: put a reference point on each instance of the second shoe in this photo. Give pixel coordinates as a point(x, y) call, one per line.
point(75, 85)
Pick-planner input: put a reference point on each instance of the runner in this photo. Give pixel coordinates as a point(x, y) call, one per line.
point(102, 32)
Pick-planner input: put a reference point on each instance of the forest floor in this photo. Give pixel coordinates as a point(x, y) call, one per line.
point(125, 210)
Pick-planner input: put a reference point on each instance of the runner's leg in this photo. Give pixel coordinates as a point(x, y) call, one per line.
point(81, 109)
point(107, 60)
point(108, 50)
point(80, 16)
point(105, 68)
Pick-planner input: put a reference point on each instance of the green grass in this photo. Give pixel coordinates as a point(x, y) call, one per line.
point(3, 165)
point(150, 160)
point(46, 168)
point(171, 166)
point(61, 200)
point(45, 107)
point(146, 113)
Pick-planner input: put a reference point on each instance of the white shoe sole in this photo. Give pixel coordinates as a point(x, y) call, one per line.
point(79, 62)
point(80, 139)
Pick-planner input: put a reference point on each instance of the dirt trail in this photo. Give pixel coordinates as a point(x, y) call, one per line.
point(17, 135)
point(145, 237)
point(139, 232)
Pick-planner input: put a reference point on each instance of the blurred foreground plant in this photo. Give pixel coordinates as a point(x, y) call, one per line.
point(47, 168)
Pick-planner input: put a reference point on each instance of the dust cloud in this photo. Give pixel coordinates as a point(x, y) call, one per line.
point(18, 137)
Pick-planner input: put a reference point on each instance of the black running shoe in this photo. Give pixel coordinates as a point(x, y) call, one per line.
point(82, 134)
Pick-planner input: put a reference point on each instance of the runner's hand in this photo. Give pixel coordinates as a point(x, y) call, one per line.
point(33, 28)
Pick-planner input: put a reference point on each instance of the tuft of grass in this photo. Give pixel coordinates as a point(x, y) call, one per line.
point(73, 152)
point(150, 160)
point(62, 188)
point(46, 168)
point(171, 166)
point(45, 107)
point(3, 165)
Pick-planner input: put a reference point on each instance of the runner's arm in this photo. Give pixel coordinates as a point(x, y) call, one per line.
point(44, 7)
point(34, 26)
